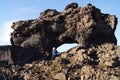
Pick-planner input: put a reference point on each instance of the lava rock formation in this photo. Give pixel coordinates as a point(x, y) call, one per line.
point(83, 25)
point(96, 58)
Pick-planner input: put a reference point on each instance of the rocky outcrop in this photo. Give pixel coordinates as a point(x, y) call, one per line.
point(5, 55)
point(96, 58)
point(84, 25)
point(18, 55)
point(95, 63)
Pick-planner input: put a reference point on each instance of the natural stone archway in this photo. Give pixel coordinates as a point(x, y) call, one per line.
point(32, 39)
point(83, 25)
point(65, 47)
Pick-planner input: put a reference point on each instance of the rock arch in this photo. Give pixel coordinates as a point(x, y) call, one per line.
point(83, 25)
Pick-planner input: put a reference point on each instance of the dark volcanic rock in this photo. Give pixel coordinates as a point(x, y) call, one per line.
point(83, 25)
point(94, 63)
point(33, 39)
point(98, 58)
point(18, 55)
point(5, 55)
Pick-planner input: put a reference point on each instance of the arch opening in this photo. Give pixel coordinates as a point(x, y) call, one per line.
point(66, 46)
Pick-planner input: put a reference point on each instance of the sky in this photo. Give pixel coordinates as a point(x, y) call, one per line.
point(15, 10)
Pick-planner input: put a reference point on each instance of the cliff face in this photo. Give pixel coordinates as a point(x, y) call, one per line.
point(96, 58)
point(5, 55)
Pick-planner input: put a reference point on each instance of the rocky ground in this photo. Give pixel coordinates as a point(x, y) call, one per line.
point(94, 63)
point(96, 58)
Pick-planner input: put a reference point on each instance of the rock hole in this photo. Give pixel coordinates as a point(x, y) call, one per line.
point(65, 47)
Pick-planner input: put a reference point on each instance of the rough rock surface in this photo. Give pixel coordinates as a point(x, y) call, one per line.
point(84, 25)
point(18, 55)
point(96, 58)
point(95, 63)
point(5, 55)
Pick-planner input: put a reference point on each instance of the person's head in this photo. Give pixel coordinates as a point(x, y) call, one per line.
point(53, 48)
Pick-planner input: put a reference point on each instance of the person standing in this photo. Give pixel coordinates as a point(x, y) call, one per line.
point(54, 53)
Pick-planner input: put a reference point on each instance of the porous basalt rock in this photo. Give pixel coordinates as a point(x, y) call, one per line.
point(94, 63)
point(33, 39)
point(5, 55)
point(18, 55)
point(84, 25)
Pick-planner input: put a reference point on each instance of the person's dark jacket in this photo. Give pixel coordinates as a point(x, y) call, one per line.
point(54, 52)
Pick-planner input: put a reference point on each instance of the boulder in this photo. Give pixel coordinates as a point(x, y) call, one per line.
point(60, 76)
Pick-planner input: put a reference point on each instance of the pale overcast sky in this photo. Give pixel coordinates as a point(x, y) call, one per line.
point(15, 10)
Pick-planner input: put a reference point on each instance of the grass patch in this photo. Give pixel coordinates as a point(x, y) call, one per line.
point(56, 66)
